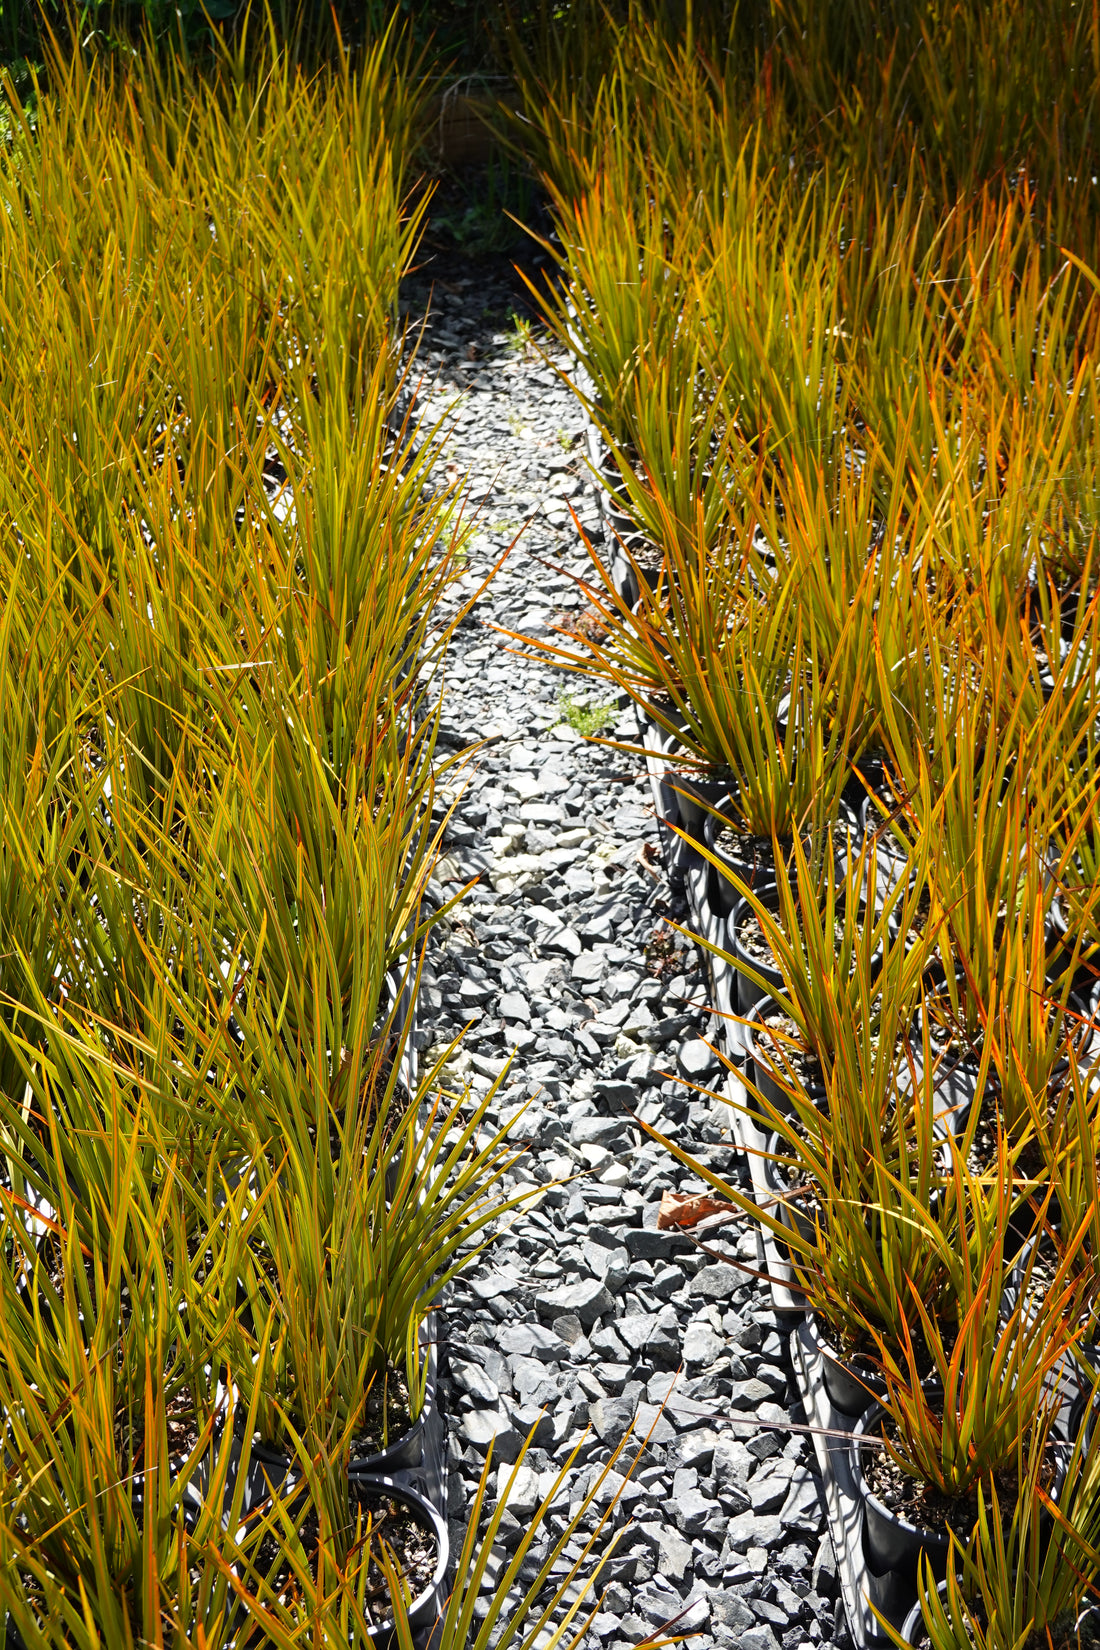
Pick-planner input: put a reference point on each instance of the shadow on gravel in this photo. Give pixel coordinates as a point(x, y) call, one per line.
point(483, 222)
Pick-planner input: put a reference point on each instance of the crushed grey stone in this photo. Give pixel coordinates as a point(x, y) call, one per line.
point(547, 958)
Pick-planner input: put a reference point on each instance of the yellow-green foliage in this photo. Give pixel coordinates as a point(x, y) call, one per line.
point(834, 280)
point(881, 364)
point(221, 556)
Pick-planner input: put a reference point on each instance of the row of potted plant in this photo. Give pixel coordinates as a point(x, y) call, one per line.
point(846, 412)
point(225, 1213)
point(229, 1197)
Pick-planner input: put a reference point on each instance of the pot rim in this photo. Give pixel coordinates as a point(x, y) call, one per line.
point(814, 1329)
point(266, 1449)
point(754, 1014)
point(432, 1520)
point(931, 1538)
point(862, 1431)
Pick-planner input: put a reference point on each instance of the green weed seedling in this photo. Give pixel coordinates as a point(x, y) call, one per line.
point(519, 339)
point(584, 718)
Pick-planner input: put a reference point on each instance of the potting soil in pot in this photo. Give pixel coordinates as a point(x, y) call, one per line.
point(787, 1049)
point(384, 1519)
point(746, 851)
point(388, 1412)
point(386, 1418)
point(921, 1504)
point(754, 942)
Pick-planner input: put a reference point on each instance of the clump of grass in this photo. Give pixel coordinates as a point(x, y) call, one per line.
point(223, 551)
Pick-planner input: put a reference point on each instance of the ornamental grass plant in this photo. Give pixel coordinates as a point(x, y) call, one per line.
point(863, 1204)
point(860, 244)
point(1025, 1575)
point(864, 1199)
point(841, 956)
point(108, 1377)
point(714, 655)
point(829, 272)
point(229, 1199)
point(533, 1612)
point(349, 1271)
point(996, 1368)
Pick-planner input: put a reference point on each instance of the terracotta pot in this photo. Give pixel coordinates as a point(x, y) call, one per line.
point(460, 133)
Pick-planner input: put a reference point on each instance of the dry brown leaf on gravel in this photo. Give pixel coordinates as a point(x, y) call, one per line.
point(678, 1209)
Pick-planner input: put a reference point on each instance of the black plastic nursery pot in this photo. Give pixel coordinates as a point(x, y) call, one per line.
point(629, 559)
point(953, 1092)
point(767, 1065)
point(891, 1542)
point(785, 1206)
point(407, 1451)
point(657, 734)
point(749, 991)
point(912, 1628)
point(632, 556)
point(747, 857)
point(622, 574)
point(1080, 1635)
point(851, 1383)
point(696, 798)
point(1084, 1407)
point(955, 1084)
point(662, 752)
point(386, 1500)
point(368, 1491)
point(1087, 999)
point(401, 1455)
point(1060, 958)
point(891, 862)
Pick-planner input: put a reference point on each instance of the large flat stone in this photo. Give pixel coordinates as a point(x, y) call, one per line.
point(532, 1340)
point(598, 1131)
point(586, 1300)
point(484, 1427)
point(520, 1494)
point(611, 1418)
point(717, 1283)
point(701, 1345)
point(646, 1243)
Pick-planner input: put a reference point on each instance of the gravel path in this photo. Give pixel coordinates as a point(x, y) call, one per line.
point(563, 953)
